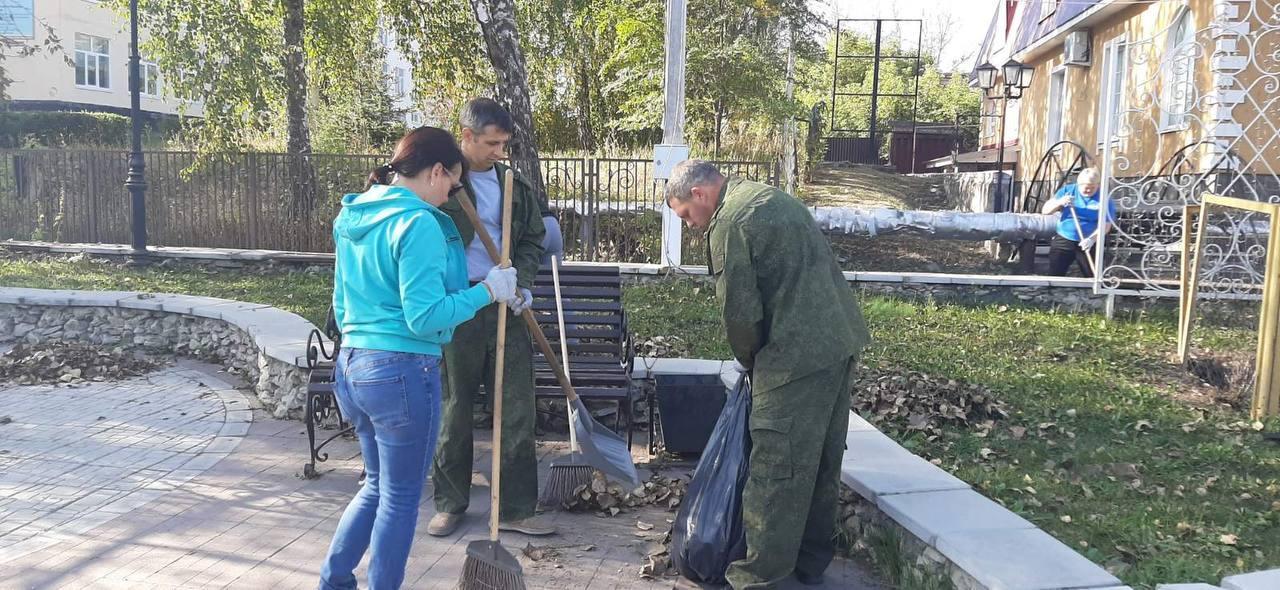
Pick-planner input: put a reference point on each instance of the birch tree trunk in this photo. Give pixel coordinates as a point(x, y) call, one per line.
point(301, 175)
point(497, 20)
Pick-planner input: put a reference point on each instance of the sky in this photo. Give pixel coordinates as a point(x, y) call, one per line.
point(971, 18)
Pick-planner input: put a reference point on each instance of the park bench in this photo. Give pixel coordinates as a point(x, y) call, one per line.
point(601, 354)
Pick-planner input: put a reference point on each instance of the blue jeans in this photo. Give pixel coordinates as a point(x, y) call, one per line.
point(393, 401)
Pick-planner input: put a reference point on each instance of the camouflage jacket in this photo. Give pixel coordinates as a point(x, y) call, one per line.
point(527, 229)
point(787, 308)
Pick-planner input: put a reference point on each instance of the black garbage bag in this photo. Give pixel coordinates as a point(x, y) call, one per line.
point(708, 533)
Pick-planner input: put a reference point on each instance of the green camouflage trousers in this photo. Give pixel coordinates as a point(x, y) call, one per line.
point(790, 502)
point(469, 363)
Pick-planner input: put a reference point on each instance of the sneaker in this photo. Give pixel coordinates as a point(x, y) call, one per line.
point(443, 524)
point(534, 525)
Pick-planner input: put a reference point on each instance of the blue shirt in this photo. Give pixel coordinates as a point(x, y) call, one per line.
point(1084, 209)
point(488, 196)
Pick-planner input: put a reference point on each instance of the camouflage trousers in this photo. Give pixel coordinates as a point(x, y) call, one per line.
point(468, 364)
point(792, 494)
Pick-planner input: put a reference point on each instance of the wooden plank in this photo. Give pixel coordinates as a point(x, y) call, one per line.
point(1266, 389)
point(585, 280)
point(613, 393)
point(1247, 205)
point(1184, 343)
point(546, 292)
point(574, 268)
point(600, 306)
point(1193, 283)
point(605, 333)
point(582, 319)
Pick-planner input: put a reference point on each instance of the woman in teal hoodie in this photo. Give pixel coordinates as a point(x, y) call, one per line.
point(399, 288)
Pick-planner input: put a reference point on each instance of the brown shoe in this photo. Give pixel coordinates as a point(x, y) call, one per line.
point(534, 525)
point(444, 524)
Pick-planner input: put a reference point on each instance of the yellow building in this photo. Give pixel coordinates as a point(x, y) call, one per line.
point(1171, 99)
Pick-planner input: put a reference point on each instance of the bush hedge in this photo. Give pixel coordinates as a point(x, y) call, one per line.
point(19, 129)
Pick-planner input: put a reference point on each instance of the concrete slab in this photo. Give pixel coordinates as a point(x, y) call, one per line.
point(144, 301)
point(1021, 560)
point(649, 366)
point(15, 295)
point(859, 424)
point(1187, 587)
point(98, 298)
point(225, 309)
point(186, 304)
point(874, 466)
point(1264, 580)
point(929, 515)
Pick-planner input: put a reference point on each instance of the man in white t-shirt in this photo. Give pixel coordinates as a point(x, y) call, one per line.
point(469, 359)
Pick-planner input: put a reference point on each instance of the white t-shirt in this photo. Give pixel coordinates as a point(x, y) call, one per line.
point(488, 195)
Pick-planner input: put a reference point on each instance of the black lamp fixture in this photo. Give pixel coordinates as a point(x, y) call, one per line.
point(1017, 77)
point(986, 76)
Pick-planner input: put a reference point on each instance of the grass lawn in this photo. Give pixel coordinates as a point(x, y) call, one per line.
point(1108, 446)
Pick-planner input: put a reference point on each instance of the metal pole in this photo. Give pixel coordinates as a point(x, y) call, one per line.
point(673, 122)
point(136, 181)
point(915, 106)
point(875, 93)
point(1004, 107)
point(835, 77)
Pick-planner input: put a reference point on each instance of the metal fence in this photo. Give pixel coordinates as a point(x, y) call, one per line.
point(609, 208)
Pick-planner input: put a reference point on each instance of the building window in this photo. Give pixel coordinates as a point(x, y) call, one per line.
point(150, 78)
point(1057, 104)
point(93, 61)
point(400, 82)
point(1179, 75)
point(17, 19)
point(1111, 98)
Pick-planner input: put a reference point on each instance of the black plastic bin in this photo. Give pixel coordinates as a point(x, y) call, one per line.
point(688, 407)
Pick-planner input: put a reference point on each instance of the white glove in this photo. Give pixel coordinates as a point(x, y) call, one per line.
point(737, 366)
point(523, 300)
point(1088, 242)
point(501, 283)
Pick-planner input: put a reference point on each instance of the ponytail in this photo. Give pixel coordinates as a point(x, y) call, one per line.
point(420, 150)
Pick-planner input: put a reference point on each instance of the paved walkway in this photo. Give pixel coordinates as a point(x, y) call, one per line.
point(170, 481)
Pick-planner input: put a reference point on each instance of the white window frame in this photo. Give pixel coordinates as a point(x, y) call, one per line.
point(1057, 103)
point(102, 62)
point(144, 72)
point(1114, 52)
point(1175, 79)
point(399, 82)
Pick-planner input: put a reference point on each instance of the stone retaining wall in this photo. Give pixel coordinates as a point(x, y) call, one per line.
point(276, 372)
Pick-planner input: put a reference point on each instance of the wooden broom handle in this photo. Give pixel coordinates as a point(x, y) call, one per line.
point(538, 336)
point(495, 489)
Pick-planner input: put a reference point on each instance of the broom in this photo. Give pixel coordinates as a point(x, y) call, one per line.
point(489, 566)
point(566, 473)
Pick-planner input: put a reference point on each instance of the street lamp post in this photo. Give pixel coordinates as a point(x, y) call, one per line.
point(136, 181)
point(1017, 77)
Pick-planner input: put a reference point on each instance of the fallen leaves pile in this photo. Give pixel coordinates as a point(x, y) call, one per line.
point(911, 400)
point(610, 499)
point(658, 560)
point(662, 346)
point(71, 362)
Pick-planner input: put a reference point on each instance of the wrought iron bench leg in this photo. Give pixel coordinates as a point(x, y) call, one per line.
point(309, 470)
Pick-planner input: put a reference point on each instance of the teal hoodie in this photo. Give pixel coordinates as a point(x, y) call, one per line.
point(400, 279)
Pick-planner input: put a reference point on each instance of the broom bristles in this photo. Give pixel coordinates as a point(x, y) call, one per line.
point(490, 567)
point(562, 479)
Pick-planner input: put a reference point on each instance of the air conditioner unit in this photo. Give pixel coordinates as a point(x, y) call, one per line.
point(1075, 51)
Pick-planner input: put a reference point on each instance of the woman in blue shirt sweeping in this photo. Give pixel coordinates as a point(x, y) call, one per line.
point(399, 288)
point(1078, 228)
